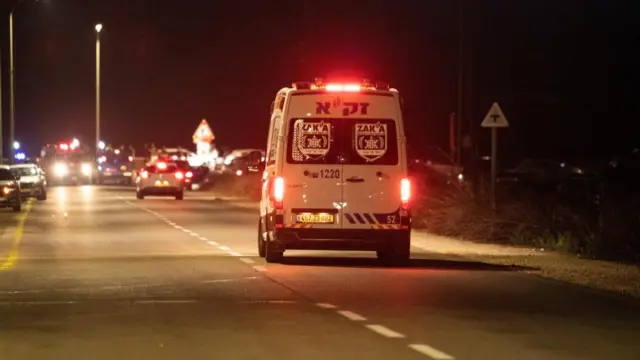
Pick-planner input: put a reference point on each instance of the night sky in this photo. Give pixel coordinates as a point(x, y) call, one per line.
point(563, 71)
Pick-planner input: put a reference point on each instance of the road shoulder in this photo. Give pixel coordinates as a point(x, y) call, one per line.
point(595, 274)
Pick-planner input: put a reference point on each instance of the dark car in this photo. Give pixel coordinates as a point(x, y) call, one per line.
point(195, 176)
point(9, 189)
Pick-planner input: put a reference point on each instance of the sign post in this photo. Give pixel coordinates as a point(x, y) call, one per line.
point(494, 119)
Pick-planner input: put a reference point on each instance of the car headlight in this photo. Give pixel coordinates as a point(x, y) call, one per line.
point(86, 169)
point(60, 169)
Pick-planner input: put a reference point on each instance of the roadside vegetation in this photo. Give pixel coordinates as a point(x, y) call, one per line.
point(593, 217)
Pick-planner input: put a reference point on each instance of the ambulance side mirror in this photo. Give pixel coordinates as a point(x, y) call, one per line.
point(273, 104)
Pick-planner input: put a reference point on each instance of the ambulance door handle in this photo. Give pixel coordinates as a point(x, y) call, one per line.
point(355, 179)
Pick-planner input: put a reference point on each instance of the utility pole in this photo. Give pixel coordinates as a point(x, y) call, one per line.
point(459, 115)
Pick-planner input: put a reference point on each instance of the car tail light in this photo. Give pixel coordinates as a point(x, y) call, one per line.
point(239, 172)
point(179, 175)
point(130, 158)
point(278, 191)
point(188, 175)
point(405, 192)
point(144, 174)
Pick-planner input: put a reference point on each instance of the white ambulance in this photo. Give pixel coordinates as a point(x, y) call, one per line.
point(336, 172)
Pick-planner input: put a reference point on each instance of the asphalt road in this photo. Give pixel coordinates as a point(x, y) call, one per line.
point(94, 273)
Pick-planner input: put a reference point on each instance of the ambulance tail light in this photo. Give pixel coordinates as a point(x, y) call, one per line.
point(144, 174)
point(278, 192)
point(179, 175)
point(188, 175)
point(405, 192)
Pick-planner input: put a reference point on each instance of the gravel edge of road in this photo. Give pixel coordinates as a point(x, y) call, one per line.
point(596, 274)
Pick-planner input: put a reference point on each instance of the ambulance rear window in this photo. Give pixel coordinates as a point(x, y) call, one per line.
point(342, 141)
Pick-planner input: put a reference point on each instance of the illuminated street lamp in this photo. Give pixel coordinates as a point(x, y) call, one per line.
point(16, 145)
point(98, 29)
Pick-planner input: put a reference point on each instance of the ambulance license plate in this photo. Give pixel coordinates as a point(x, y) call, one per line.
point(315, 218)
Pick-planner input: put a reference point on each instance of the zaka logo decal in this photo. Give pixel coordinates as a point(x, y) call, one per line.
point(313, 140)
point(371, 140)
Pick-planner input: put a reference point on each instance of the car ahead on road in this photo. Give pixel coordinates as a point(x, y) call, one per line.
point(32, 181)
point(336, 172)
point(9, 189)
point(160, 179)
point(194, 176)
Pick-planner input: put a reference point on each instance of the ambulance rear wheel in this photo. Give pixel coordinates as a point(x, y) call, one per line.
point(262, 246)
point(273, 253)
point(397, 252)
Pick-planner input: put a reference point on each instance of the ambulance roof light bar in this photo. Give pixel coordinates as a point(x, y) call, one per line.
point(319, 84)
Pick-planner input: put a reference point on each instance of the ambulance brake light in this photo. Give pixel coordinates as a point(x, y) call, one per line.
point(161, 165)
point(405, 192)
point(278, 191)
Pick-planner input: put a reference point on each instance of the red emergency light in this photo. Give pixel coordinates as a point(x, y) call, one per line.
point(342, 87)
point(64, 146)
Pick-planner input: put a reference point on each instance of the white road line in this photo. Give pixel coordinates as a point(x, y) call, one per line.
point(165, 301)
point(247, 261)
point(10, 303)
point(269, 302)
point(187, 230)
point(351, 315)
point(233, 253)
point(431, 352)
point(225, 248)
point(228, 280)
point(178, 227)
point(259, 268)
point(202, 238)
point(326, 306)
point(384, 331)
point(212, 243)
point(171, 223)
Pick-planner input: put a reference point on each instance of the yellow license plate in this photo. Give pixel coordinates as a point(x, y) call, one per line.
point(315, 218)
point(161, 183)
point(127, 174)
point(123, 168)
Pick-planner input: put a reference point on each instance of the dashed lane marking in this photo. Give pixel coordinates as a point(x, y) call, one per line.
point(202, 238)
point(326, 306)
point(384, 331)
point(247, 261)
point(212, 243)
point(351, 315)
point(431, 352)
point(165, 301)
point(225, 248)
point(233, 253)
point(260, 268)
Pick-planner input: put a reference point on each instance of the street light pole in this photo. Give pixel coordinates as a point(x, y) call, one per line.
point(98, 29)
point(1, 143)
point(12, 98)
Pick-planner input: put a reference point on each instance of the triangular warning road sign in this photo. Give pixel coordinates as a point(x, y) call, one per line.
point(495, 118)
point(203, 133)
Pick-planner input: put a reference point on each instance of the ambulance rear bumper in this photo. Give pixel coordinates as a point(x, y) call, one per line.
point(340, 239)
